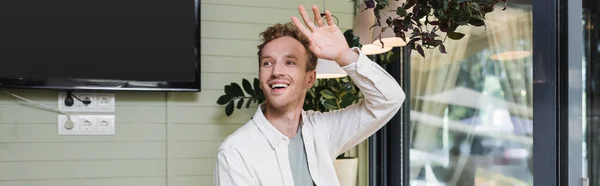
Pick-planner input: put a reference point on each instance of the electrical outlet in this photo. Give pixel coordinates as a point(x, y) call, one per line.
point(105, 124)
point(98, 102)
point(63, 126)
point(87, 125)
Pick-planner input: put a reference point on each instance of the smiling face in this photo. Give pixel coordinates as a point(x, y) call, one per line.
point(283, 73)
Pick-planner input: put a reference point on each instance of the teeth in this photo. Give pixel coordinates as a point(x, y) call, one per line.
point(279, 86)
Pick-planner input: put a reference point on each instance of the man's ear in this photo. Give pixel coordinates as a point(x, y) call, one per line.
point(312, 77)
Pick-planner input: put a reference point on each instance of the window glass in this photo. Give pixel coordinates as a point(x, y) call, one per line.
point(471, 109)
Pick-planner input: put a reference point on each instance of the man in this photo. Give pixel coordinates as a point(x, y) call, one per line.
point(284, 145)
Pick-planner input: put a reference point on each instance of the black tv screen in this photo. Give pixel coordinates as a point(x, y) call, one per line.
point(100, 45)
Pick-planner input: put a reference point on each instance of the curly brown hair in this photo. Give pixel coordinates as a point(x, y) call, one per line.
point(288, 29)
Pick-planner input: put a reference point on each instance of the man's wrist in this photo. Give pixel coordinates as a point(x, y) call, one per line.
point(347, 57)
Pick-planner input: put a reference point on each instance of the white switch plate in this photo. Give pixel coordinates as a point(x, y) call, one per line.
point(87, 125)
point(100, 102)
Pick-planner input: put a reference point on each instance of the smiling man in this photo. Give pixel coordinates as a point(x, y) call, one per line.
point(285, 145)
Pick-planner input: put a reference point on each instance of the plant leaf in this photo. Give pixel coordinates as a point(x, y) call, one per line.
point(402, 36)
point(412, 41)
point(442, 48)
point(345, 79)
point(401, 11)
point(327, 94)
point(444, 5)
point(249, 102)
point(256, 86)
point(476, 22)
point(351, 39)
point(342, 94)
point(240, 103)
point(455, 35)
point(409, 4)
point(224, 99)
point(258, 92)
point(329, 104)
point(444, 26)
point(370, 3)
point(420, 50)
point(435, 42)
point(476, 7)
point(347, 100)
point(247, 87)
point(261, 97)
point(237, 90)
point(229, 108)
point(394, 57)
point(333, 85)
point(311, 92)
point(346, 86)
point(452, 27)
point(228, 91)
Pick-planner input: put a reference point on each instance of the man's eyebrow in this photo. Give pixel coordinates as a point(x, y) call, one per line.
point(291, 56)
point(287, 56)
point(265, 56)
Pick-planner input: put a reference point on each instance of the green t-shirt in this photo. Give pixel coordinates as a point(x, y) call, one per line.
point(298, 162)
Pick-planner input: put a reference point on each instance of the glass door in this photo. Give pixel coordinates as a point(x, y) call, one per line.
point(502, 107)
point(471, 115)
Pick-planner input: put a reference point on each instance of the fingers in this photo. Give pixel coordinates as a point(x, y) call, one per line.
point(317, 15)
point(301, 27)
point(306, 19)
point(329, 18)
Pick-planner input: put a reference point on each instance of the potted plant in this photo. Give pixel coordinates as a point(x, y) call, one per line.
point(334, 94)
point(346, 169)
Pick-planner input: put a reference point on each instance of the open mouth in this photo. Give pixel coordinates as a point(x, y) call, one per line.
point(279, 87)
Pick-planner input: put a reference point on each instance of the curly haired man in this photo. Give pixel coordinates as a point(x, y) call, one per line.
point(285, 145)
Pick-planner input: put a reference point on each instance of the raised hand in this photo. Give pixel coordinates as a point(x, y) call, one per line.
point(326, 41)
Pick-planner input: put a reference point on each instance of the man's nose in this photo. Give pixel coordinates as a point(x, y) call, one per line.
point(278, 69)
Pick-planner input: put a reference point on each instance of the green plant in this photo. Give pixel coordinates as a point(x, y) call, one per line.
point(234, 95)
point(325, 95)
point(422, 20)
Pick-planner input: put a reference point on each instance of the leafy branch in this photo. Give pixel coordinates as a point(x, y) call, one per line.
point(414, 18)
point(234, 92)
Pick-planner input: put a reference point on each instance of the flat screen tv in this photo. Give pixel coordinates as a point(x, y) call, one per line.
point(138, 45)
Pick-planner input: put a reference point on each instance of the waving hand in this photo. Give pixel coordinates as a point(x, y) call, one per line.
point(326, 41)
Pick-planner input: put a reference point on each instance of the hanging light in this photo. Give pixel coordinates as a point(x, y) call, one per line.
point(388, 37)
point(329, 69)
point(371, 49)
point(363, 21)
point(510, 55)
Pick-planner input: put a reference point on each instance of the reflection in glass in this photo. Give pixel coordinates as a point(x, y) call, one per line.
point(591, 102)
point(471, 109)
